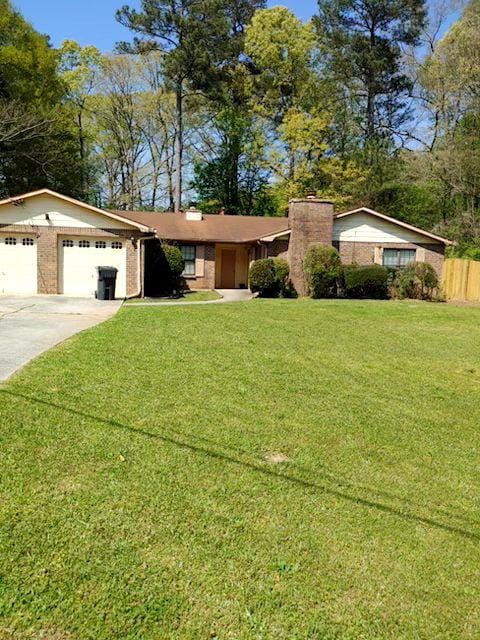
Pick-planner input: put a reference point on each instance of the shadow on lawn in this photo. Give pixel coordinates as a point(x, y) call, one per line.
point(265, 470)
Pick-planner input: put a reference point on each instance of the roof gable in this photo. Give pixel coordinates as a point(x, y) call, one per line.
point(62, 211)
point(393, 221)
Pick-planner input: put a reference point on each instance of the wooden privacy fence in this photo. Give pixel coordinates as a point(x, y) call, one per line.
point(461, 280)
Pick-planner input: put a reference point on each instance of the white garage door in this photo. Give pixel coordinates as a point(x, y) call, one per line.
point(18, 265)
point(78, 259)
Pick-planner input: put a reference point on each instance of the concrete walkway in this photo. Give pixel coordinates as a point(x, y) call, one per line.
point(31, 325)
point(228, 295)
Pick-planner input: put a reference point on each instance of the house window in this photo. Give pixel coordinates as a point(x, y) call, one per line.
point(398, 258)
point(100, 244)
point(189, 255)
point(11, 241)
point(84, 244)
point(27, 242)
point(67, 243)
point(117, 245)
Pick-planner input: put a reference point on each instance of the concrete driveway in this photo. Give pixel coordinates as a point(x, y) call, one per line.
point(31, 325)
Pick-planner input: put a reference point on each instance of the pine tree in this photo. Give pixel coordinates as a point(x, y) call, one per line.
point(362, 41)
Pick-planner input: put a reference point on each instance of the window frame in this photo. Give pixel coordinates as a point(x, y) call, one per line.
point(190, 261)
point(399, 264)
point(100, 244)
point(84, 244)
point(117, 245)
point(28, 242)
point(10, 241)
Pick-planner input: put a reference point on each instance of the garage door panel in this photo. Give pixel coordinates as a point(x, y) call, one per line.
point(18, 265)
point(79, 258)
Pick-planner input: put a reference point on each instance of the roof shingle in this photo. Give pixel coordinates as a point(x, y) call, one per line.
point(212, 228)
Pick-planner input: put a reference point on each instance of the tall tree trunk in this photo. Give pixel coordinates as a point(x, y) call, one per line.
point(170, 188)
point(370, 112)
point(291, 164)
point(178, 146)
point(234, 162)
point(81, 144)
point(371, 92)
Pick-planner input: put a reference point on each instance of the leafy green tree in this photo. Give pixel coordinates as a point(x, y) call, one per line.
point(447, 174)
point(298, 106)
point(79, 68)
point(236, 178)
point(28, 64)
point(197, 37)
point(37, 141)
point(282, 49)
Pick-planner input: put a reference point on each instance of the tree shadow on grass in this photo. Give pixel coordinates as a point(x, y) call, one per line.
point(264, 469)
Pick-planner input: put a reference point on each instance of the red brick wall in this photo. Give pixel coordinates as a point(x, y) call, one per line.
point(363, 253)
point(47, 251)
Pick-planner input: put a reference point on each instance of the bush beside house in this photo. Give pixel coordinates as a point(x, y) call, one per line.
point(165, 268)
point(366, 282)
point(263, 279)
point(326, 277)
point(270, 278)
point(418, 281)
point(323, 271)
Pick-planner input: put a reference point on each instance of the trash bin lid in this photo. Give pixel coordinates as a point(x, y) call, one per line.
point(107, 272)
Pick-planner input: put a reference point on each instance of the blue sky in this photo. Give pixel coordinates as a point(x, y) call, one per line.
point(93, 21)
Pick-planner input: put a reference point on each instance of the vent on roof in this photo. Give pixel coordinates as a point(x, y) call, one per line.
point(193, 214)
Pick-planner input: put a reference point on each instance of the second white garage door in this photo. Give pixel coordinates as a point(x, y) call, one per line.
point(78, 259)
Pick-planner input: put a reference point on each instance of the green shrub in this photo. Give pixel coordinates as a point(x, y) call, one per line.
point(323, 271)
point(472, 254)
point(263, 278)
point(418, 281)
point(464, 250)
point(366, 282)
point(269, 278)
point(165, 268)
point(282, 273)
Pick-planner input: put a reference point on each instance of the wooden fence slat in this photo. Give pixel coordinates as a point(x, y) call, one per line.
point(473, 287)
point(461, 280)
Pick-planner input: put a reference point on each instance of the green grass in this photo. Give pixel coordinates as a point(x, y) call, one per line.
point(136, 501)
point(189, 296)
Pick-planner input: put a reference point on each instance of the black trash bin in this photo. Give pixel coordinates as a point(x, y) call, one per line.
point(107, 280)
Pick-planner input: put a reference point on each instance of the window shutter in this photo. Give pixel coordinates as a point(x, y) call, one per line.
point(420, 257)
point(200, 261)
point(378, 259)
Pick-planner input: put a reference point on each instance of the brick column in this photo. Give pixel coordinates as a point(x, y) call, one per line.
point(311, 221)
point(47, 262)
point(133, 247)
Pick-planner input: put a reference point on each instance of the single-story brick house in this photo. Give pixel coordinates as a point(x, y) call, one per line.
point(52, 244)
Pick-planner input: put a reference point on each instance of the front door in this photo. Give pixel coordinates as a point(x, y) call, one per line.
point(229, 258)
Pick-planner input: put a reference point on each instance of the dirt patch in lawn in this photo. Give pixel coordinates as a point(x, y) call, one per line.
point(274, 457)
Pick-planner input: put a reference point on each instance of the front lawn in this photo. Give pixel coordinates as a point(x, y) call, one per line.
point(266, 470)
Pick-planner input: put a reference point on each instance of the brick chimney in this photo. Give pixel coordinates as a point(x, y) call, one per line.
point(311, 221)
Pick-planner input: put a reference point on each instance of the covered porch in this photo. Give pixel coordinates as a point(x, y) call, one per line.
point(232, 265)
